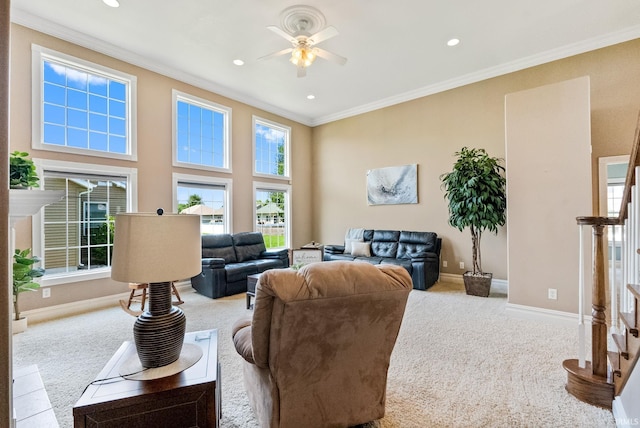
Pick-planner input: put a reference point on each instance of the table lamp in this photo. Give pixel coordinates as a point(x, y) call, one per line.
point(157, 249)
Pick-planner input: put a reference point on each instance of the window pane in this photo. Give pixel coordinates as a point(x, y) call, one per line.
point(76, 79)
point(54, 73)
point(77, 118)
point(77, 138)
point(76, 99)
point(117, 144)
point(81, 100)
point(54, 134)
point(78, 230)
point(98, 141)
point(54, 114)
point(54, 94)
point(98, 104)
point(98, 122)
point(270, 217)
point(116, 108)
point(207, 201)
point(200, 134)
point(98, 85)
point(270, 147)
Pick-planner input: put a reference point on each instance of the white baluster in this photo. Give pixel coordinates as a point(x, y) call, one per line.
point(613, 289)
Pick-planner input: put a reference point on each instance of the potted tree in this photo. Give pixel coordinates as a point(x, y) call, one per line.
point(23, 280)
point(22, 171)
point(477, 199)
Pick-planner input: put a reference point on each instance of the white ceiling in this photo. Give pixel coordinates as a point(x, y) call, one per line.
point(396, 49)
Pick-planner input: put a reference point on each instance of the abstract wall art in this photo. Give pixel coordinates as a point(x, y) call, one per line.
point(393, 185)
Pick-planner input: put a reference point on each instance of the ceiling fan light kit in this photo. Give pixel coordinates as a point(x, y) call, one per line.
point(304, 27)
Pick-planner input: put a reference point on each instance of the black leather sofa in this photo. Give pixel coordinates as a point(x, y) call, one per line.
point(227, 260)
point(417, 252)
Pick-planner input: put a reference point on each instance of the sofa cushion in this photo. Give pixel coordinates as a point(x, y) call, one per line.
point(239, 271)
point(370, 260)
point(218, 246)
point(361, 249)
point(264, 264)
point(385, 243)
point(405, 263)
point(248, 245)
point(416, 244)
point(339, 257)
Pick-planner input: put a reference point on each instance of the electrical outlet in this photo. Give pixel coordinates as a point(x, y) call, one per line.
point(444, 263)
point(46, 292)
point(552, 294)
point(461, 265)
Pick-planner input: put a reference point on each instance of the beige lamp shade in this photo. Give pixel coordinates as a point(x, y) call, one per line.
point(150, 248)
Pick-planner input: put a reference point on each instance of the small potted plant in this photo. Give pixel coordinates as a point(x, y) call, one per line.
point(23, 280)
point(22, 171)
point(477, 199)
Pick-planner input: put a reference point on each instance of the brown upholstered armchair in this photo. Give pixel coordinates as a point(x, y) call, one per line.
point(318, 346)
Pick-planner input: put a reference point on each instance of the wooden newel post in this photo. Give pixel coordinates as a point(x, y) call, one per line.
point(598, 305)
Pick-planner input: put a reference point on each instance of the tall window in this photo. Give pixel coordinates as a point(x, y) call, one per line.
point(82, 107)
point(206, 196)
point(271, 148)
point(76, 233)
point(201, 133)
point(272, 214)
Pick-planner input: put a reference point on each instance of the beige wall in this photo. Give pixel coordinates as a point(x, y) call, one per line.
point(548, 156)
point(154, 152)
point(429, 130)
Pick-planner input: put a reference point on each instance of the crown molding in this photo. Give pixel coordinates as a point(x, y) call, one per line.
point(629, 33)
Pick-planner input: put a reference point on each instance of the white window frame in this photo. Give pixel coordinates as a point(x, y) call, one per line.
point(204, 180)
point(210, 105)
point(287, 148)
point(277, 187)
point(37, 224)
point(38, 55)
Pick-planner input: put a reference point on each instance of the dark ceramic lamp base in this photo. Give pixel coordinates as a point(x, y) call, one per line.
point(159, 332)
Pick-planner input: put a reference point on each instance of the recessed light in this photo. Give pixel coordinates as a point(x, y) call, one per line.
point(238, 62)
point(453, 42)
point(311, 97)
point(111, 3)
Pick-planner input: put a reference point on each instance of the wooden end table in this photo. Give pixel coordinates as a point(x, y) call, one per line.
point(190, 398)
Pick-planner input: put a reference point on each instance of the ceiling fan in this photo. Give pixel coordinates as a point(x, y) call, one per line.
point(303, 48)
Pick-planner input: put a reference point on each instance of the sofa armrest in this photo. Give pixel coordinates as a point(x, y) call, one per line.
point(213, 263)
point(334, 249)
point(275, 254)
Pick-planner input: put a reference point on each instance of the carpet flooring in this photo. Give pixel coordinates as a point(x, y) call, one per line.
point(459, 362)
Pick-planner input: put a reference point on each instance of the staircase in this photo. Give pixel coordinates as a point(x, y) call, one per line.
point(615, 348)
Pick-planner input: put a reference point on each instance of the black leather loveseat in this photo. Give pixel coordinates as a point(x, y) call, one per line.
point(227, 260)
point(417, 252)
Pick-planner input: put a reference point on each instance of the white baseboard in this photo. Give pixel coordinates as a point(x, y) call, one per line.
point(542, 314)
point(521, 311)
point(73, 308)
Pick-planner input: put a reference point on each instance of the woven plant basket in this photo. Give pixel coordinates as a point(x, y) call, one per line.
point(477, 285)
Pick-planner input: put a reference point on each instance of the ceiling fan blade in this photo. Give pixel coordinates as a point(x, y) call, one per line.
point(275, 54)
point(323, 35)
point(279, 31)
point(330, 56)
point(302, 71)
